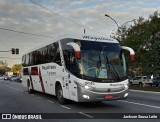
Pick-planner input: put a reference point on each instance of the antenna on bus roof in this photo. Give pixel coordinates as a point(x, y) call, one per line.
point(84, 31)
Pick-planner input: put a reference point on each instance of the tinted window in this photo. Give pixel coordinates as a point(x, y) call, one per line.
point(47, 54)
point(25, 71)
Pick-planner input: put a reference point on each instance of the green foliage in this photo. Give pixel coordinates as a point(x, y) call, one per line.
point(4, 67)
point(144, 38)
point(16, 69)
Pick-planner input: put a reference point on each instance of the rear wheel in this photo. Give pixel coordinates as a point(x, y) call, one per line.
point(59, 93)
point(30, 91)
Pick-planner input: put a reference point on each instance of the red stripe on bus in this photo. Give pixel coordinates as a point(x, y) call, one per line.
point(41, 80)
point(31, 79)
point(34, 70)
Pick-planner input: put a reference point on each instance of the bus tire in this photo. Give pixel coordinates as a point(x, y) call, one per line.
point(59, 94)
point(30, 91)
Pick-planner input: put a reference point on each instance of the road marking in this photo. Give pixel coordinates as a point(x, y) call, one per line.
point(65, 107)
point(32, 94)
point(26, 92)
point(86, 115)
point(139, 104)
point(145, 91)
point(50, 101)
point(39, 97)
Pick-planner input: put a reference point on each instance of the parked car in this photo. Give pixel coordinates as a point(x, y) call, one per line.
point(141, 81)
point(6, 77)
point(156, 81)
point(1, 77)
point(15, 78)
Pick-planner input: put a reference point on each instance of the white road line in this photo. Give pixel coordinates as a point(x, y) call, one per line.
point(32, 94)
point(152, 92)
point(39, 97)
point(86, 115)
point(65, 107)
point(50, 101)
point(139, 104)
point(26, 92)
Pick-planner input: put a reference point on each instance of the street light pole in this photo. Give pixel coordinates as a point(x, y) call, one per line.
point(117, 23)
point(112, 19)
point(127, 22)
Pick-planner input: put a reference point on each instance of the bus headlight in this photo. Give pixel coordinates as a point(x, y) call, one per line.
point(126, 86)
point(87, 87)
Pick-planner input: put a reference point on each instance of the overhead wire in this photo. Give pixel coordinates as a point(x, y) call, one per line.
point(80, 24)
point(6, 29)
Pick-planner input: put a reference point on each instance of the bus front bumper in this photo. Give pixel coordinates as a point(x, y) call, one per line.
point(85, 95)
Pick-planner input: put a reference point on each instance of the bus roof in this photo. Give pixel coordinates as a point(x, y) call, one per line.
point(96, 38)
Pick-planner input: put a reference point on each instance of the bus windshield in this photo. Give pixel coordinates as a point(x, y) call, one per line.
point(101, 60)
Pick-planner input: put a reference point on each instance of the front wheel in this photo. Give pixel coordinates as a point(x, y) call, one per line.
point(59, 93)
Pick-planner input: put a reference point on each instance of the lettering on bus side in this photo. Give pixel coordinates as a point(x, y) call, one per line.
point(51, 73)
point(48, 67)
point(89, 83)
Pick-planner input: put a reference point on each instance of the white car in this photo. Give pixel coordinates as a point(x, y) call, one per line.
point(1, 77)
point(141, 81)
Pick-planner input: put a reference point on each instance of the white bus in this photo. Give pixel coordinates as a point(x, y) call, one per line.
point(81, 68)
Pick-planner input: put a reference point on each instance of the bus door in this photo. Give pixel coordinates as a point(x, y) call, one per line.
point(71, 65)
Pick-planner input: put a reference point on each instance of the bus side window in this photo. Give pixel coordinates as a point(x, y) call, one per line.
point(58, 58)
point(70, 60)
point(24, 60)
point(27, 60)
point(73, 66)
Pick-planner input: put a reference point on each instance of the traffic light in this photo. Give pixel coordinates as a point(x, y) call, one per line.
point(15, 51)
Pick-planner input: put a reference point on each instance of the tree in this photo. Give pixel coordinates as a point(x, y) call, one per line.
point(144, 38)
point(16, 69)
point(4, 67)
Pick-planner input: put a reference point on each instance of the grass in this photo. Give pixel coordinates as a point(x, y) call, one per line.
point(154, 89)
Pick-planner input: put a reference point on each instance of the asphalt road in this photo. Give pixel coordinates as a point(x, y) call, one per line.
point(15, 99)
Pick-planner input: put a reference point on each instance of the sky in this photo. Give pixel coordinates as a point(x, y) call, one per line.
point(63, 17)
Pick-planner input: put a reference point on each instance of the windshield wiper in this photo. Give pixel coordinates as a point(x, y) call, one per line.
point(110, 65)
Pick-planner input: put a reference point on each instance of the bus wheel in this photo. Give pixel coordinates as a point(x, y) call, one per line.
point(30, 91)
point(59, 93)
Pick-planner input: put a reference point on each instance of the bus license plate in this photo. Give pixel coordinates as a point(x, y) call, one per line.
point(108, 96)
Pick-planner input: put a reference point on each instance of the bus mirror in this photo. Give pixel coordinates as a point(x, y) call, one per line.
point(132, 53)
point(76, 49)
